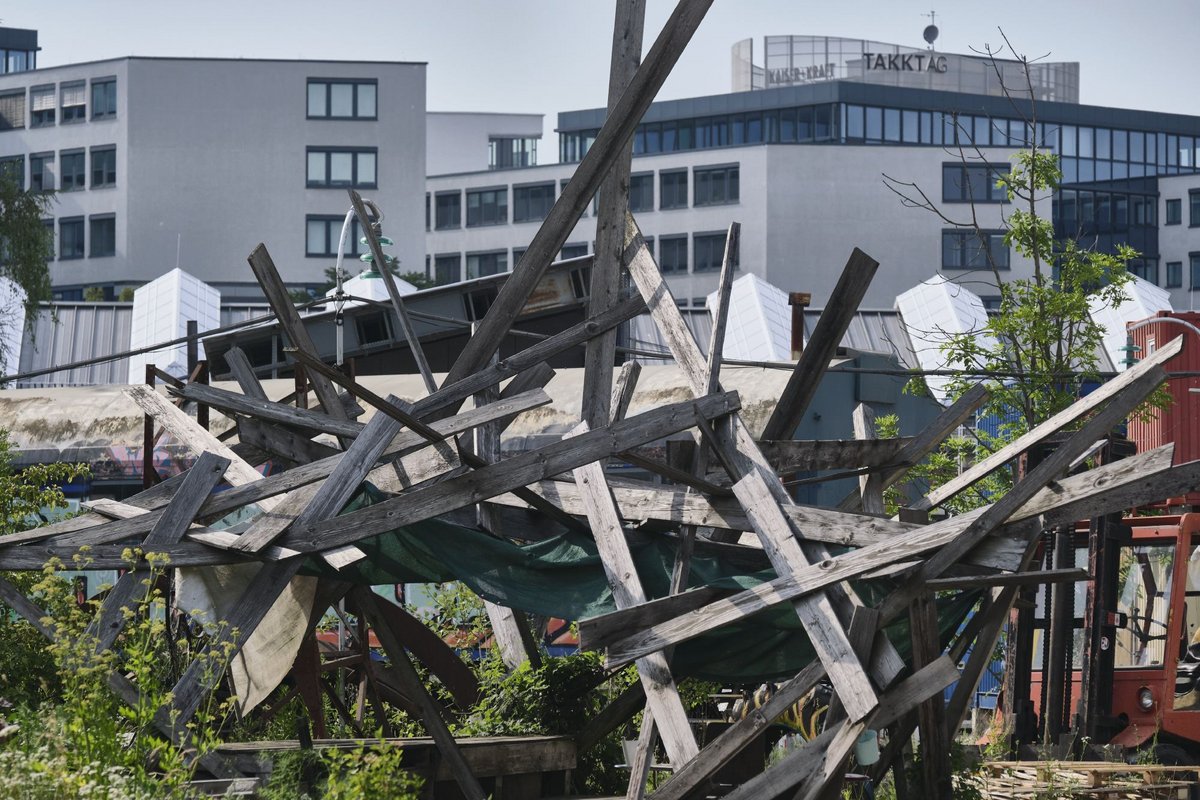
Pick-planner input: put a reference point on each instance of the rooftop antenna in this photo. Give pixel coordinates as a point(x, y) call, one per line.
point(931, 30)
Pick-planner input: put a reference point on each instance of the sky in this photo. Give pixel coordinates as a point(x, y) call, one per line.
point(546, 56)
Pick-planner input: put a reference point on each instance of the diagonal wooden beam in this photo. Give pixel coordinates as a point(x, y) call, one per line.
point(410, 334)
point(427, 502)
point(831, 327)
point(612, 140)
point(270, 411)
point(1056, 423)
point(662, 698)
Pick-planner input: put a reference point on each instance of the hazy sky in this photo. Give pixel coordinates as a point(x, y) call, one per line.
point(546, 56)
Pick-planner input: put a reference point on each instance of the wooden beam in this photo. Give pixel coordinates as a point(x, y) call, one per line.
point(662, 698)
point(410, 334)
point(1060, 420)
point(605, 286)
point(281, 442)
point(312, 421)
point(243, 373)
point(634, 642)
point(935, 745)
point(623, 389)
point(716, 340)
point(831, 327)
point(119, 603)
point(431, 716)
point(520, 470)
point(611, 142)
point(291, 324)
point(1037, 578)
point(870, 486)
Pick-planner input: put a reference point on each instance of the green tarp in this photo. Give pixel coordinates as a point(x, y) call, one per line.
point(562, 577)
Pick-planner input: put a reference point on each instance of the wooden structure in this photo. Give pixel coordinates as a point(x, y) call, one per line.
point(418, 455)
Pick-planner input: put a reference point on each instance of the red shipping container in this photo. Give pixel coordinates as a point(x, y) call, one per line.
point(1181, 422)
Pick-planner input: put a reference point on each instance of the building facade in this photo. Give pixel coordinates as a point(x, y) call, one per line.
point(163, 162)
point(804, 164)
point(1179, 240)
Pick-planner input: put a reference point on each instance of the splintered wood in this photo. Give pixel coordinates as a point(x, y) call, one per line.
point(727, 499)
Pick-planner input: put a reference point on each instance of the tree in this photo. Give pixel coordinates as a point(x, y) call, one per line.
point(27, 245)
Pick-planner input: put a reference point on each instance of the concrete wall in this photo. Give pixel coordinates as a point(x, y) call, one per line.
point(458, 141)
point(211, 160)
point(1175, 242)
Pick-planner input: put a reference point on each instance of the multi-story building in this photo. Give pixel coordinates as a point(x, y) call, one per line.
point(1179, 239)
point(803, 155)
point(165, 162)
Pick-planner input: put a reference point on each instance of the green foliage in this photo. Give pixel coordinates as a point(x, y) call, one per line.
point(88, 743)
point(366, 772)
point(26, 244)
point(419, 280)
point(126, 295)
point(93, 294)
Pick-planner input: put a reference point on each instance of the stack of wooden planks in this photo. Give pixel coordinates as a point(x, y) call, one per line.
point(431, 458)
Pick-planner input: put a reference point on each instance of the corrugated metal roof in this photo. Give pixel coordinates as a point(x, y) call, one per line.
point(81, 331)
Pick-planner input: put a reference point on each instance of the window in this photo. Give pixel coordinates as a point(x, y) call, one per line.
point(1194, 269)
point(12, 110)
point(322, 234)
point(1174, 274)
point(74, 102)
point(716, 186)
point(481, 264)
point(641, 192)
point(41, 172)
point(672, 189)
point(70, 238)
point(372, 329)
point(341, 99)
point(13, 167)
point(1174, 212)
point(48, 225)
point(1144, 269)
point(42, 106)
point(74, 171)
point(104, 166)
point(673, 253)
point(447, 210)
point(447, 269)
point(1194, 208)
point(508, 152)
point(965, 249)
point(710, 251)
point(574, 250)
point(104, 99)
point(428, 220)
point(532, 203)
point(487, 207)
point(973, 183)
point(103, 235)
point(328, 167)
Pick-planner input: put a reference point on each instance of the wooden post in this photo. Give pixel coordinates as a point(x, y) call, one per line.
point(935, 744)
point(798, 301)
point(831, 327)
point(600, 353)
point(613, 139)
point(870, 485)
point(149, 474)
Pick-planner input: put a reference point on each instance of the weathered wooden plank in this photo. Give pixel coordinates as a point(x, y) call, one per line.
point(281, 442)
point(655, 673)
point(232, 402)
point(863, 625)
point(800, 455)
point(917, 541)
point(291, 324)
point(605, 285)
point(716, 340)
point(741, 456)
point(831, 327)
point(931, 714)
point(1055, 423)
point(1036, 578)
point(520, 470)
point(870, 486)
point(222, 503)
point(624, 388)
point(612, 140)
point(243, 373)
point(170, 528)
point(1130, 396)
point(673, 474)
point(816, 612)
point(410, 333)
point(992, 622)
point(431, 716)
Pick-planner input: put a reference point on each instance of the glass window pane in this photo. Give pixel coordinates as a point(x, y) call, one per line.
point(366, 99)
point(316, 167)
point(341, 100)
point(316, 100)
point(316, 236)
point(366, 168)
point(341, 167)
